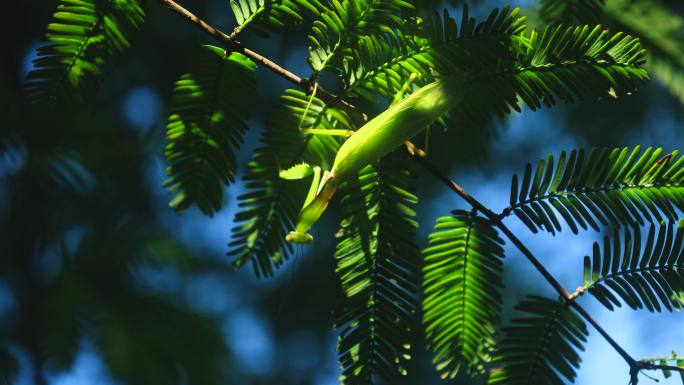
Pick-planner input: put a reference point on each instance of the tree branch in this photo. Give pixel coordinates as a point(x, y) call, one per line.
point(635, 366)
point(233, 45)
point(569, 298)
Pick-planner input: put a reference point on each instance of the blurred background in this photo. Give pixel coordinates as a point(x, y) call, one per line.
point(102, 283)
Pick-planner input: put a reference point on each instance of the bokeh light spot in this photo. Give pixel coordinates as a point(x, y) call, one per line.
point(142, 107)
point(250, 341)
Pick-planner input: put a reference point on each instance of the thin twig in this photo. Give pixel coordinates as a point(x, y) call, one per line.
point(651, 366)
point(233, 45)
point(635, 366)
point(578, 292)
point(523, 249)
point(191, 17)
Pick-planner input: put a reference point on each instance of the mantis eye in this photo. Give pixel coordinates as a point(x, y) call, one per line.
point(295, 237)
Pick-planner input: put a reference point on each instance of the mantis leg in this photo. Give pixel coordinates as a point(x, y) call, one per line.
point(332, 132)
point(316, 203)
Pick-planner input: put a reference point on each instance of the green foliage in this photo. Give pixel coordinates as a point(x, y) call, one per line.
point(569, 64)
point(540, 348)
point(81, 41)
point(124, 324)
point(641, 275)
point(572, 11)
point(273, 15)
point(269, 208)
point(462, 292)
point(335, 33)
point(383, 62)
point(679, 297)
point(208, 115)
point(659, 28)
point(565, 63)
point(618, 187)
point(379, 265)
point(662, 33)
point(500, 64)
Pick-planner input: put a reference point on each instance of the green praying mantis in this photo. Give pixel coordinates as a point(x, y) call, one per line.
point(400, 122)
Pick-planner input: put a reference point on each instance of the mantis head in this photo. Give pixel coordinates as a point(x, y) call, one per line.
point(297, 237)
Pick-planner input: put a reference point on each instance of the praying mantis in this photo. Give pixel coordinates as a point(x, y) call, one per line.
point(405, 118)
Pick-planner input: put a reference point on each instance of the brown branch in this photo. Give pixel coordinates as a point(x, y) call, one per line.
point(635, 366)
point(578, 293)
point(431, 168)
point(648, 363)
point(233, 45)
point(420, 157)
point(651, 366)
point(191, 17)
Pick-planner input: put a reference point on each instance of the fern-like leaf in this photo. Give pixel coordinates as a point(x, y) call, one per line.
point(82, 39)
point(431, 46)
point(501, 66)
point(619, 187)
point(560, 63)
point(208, 117)
point(660, 29)
point(540, 348)
point(645, 275)
point(566, 64)
point(271, 205)
point(462, 292)
point(273, 15)
point(335, 34)
point(662, 33)
point(378, 264)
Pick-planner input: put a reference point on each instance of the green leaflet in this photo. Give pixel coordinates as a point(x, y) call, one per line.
point(378, 265)
point(618, 187)
point(642, 273)
point(83, 38)
point(662, 34)
point(431, 47)
point(660, 29)
point(334, 35)
point(462, 292)
point(298, 171)
point(273, 15)
point(207, 120)
point(541, 347)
